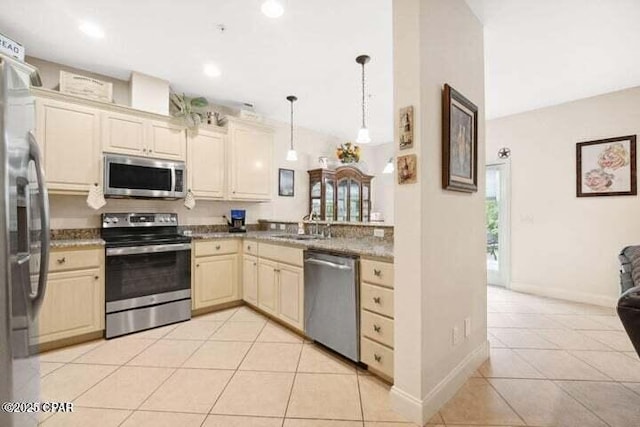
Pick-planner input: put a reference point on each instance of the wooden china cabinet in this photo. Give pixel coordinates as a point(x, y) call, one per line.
point(343, 194)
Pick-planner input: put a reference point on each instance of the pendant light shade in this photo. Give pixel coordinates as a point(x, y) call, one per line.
point(363, 133)
point(389, 168)
point(292, 156)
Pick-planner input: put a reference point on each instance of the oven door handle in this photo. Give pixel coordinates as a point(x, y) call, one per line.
point(149, 249)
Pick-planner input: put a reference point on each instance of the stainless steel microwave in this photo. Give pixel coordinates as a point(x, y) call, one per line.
point(131, 176)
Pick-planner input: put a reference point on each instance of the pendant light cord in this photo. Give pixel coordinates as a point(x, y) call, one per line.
point(291, 124)
point(364, 125)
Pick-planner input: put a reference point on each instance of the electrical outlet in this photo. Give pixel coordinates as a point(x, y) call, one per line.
point(272, 226)
point(455, 336)
point(282, 227)
point(378, 232)
point(467, 327)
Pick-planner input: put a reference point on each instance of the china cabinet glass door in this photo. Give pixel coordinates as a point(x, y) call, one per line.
point(329, 208)
point(354, 201)
point(343, 196)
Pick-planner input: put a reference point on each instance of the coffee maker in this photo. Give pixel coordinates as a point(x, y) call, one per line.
point(237, 222)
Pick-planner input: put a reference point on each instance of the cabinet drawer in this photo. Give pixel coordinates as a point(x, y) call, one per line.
point(285, 254)
point(216, 247)
point(377, 356)
point(377, 299)
point(75, 259)
point(377, 328)
point(379, 273)
point(250, 247)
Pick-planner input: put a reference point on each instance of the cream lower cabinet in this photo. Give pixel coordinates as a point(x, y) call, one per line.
point(206, 159)
point(215, 273)
point(250, 279)
point(376, 316)
point(74, 299)
point(291, 295)
point(281, 284)
point(69, 136)
point(268, 286)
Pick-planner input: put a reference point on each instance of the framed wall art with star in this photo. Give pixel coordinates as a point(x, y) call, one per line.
point(606, 167)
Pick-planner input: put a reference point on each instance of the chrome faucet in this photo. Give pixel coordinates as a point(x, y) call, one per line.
point(314, 217)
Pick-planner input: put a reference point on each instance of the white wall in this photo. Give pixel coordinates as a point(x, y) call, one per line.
point(439, 235)
point(376, 157)
point(562, 245)
point(72, 211)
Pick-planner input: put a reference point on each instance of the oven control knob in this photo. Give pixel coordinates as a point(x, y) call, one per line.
point(115, 220)
point(107, 220)
point(163, 219)
point(173, 219)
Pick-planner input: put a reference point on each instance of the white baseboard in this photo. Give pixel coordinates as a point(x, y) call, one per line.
point(564, 294)
point(421, 411)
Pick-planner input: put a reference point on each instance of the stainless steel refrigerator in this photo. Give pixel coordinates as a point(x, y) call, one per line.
point(24, 242)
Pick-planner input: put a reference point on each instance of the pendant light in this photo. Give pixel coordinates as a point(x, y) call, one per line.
point(292, 156)
point(363, 133)
point(389, 168)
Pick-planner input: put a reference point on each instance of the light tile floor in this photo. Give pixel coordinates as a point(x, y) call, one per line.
point(553, 363)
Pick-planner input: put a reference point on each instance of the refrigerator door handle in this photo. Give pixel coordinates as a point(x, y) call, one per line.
point(34, 155)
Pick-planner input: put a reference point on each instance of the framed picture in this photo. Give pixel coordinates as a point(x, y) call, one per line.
point(606, 167)
point(405, 123)
point(459, 142)
point(407, 168)
point(286, 182)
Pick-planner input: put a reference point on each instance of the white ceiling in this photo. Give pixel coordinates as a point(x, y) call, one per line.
point(545, 52)
point(309, 52)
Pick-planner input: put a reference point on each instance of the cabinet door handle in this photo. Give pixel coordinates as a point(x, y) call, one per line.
point(248, 247)
point(150, 150)
point(377, 328)
point(144, 150)
point(254, 264)
point(377, 357)
point(377, 272)
point(96, 277)
point(376, 300)
point(218, 247)
point(197, 265)
point(62, 260)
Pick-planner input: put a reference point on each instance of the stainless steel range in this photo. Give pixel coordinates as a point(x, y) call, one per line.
point(148, 272)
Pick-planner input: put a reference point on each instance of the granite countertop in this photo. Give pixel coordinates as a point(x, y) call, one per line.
point(368, 246)
point(75, 243)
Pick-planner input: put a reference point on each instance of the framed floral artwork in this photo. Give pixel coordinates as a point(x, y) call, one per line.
point(459, 142)
point(606, 167)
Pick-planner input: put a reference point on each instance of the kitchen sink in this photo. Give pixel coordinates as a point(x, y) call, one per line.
point(298, 236)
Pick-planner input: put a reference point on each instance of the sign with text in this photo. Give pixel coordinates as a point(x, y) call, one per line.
point(11, 48)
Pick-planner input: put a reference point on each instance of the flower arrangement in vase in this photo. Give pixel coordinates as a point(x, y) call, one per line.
point(348, 153)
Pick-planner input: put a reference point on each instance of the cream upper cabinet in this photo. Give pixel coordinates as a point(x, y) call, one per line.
point(250, 161)
point(206, 160)
point(216, 280)
point(291, 295)
point(123, 133)
point(250, 279)
point(268, 286)
point(166, 140)
point(69, 135)
point(138, 136)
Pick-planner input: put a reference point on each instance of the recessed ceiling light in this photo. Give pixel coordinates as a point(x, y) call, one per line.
point(211, 70)
point(272, 8)
point(91, 29)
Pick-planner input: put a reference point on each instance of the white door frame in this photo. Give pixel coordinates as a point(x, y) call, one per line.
point(504, 221)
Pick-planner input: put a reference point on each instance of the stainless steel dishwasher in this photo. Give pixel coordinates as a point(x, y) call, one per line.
point(331, 301)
